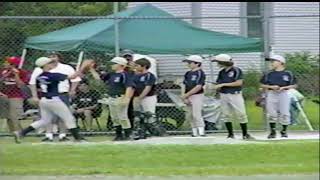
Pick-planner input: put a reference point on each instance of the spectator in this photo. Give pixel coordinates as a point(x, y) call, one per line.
point(85, 104)
point(14, 80)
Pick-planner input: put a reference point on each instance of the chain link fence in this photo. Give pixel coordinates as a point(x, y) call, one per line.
point(305, 65)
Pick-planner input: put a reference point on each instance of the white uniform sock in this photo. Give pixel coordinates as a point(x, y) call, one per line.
point(49, 135)
point(62, 135)
point(194, 131)
point(201, 131)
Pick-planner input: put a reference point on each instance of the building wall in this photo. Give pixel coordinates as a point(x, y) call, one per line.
point(287, 34)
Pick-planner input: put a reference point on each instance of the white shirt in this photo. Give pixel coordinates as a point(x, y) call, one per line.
point(153, 62)
point(63, 86)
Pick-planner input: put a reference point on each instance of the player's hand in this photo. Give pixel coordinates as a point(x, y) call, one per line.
point(218, 86)
point(186, 101)
point(282, 89)
point(15, 70)
point(125, 100)
point(184, 97)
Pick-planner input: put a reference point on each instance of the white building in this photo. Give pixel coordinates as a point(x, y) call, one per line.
point(287, 34)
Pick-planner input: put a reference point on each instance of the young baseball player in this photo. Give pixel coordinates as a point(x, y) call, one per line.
point(120, 93)
point(229, 85)
point(193, 96)
point(145, 100)
point(51, 105)
point(277, 82)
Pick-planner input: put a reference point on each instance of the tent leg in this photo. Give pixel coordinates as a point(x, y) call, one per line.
point(80, 60)
point(304, 116)
point(23, 56)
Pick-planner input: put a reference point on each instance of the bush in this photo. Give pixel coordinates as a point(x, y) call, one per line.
point(251, 84)
point(305, 67)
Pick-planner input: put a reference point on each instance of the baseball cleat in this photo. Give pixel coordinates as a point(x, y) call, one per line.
point(231, 136)
point(284, 134)
point(248, 137)
point(17, 136)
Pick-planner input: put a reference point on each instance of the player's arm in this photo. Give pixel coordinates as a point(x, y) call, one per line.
point(95, 74)
point(233, 84)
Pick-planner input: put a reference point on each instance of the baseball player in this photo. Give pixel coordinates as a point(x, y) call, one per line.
point(66, 89)
point(277, 82)
point(145, 100)
point(120, 94)
point(51, 104)
point(229, 85)
point(193, 96)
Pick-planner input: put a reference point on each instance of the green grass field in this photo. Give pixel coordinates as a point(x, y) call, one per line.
point(285, 157)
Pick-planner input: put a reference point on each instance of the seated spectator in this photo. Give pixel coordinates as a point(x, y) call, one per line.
point(85, 104)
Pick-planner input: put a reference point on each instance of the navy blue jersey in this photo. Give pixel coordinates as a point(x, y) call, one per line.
point(118, 82)
point(140, 81)
point(280, 78)
point(49, 83)
point(194, 78)
point(229, 76)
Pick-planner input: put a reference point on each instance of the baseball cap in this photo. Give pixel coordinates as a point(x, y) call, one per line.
point(14, 60)
point(127, 52)
point(276, 58)
point(222, 58)
point(194, 58)
point(119, 60)
point(40, 62)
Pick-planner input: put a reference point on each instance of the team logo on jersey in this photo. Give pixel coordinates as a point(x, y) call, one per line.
point(142, 78)
point(231, 74)
point(285, 78)
point(117, 79)
point(194, 77)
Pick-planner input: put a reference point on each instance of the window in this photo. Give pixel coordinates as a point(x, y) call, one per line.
point(254, 25)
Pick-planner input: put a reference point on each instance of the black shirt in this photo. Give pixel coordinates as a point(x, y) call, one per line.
point(88, 99)
point(194, 78)
point(49, 83)
point(229, 76)
point(280, 78)
point(118, 82)
point(140, 81)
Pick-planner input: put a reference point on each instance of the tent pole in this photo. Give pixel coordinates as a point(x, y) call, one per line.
point(116, 28)
point(211, 68)
point(23, 56)
point(80, 60)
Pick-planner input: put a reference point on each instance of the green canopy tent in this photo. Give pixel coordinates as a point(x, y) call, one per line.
point(145, 36)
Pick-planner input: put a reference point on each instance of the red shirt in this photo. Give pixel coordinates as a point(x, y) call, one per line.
point(11, 88)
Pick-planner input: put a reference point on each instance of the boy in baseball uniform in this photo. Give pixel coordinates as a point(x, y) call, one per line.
point(277, 82)
point(51, 105)
point(229, 85)
point(145, 100)
point(120, 92)
point(193, 96)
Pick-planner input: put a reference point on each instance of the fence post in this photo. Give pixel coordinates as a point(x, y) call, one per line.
point(116, 28)
point(266, 45)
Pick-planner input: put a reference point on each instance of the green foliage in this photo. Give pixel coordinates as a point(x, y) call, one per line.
point(251, 85)
point(302, 63)
point(305, 67)
point(13, 32)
